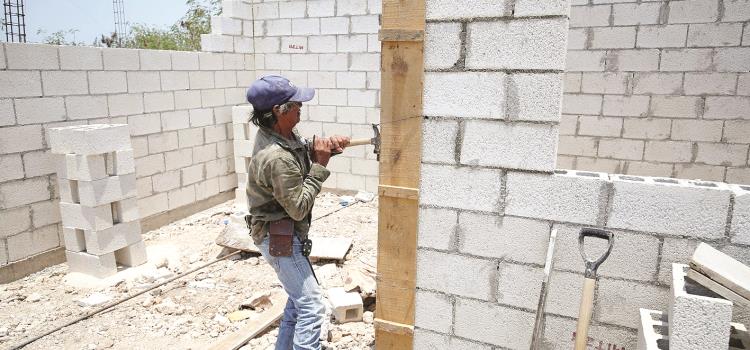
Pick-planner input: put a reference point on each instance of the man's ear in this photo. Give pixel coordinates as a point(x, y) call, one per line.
point(276, 110)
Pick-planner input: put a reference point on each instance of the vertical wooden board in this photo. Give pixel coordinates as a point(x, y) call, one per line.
point(404, 14)
point(397, 248)
point(400, 153)
point(401, 80)
point(392, 341)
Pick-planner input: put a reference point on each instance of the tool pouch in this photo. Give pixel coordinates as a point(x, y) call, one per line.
point(281, 235)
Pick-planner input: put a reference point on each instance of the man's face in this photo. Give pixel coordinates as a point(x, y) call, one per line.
point(294, 114)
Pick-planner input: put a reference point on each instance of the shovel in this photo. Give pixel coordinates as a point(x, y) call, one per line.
point(589, 283)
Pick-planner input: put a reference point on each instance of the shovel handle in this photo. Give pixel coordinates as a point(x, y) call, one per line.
point(593, 265)
point(584, 313)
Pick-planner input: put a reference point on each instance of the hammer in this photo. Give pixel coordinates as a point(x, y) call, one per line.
point(375, 141)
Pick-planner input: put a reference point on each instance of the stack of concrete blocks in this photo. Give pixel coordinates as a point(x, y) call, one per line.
point(227, 29)
point(654, 327)
point(658, 88)
point(347, 307)
point(244, 141)
point(96, 178)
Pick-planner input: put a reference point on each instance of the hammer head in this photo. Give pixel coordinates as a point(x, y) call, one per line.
point(376, 140)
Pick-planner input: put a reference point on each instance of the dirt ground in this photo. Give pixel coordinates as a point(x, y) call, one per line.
point(189, 313)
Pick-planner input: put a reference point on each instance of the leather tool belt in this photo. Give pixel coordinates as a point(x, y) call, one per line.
point(281, 235)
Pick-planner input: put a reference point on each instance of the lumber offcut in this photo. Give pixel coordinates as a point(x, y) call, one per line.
point(722, 269)
point(267, 318)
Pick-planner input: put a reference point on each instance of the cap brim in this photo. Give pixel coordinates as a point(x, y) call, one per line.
point(303, 95)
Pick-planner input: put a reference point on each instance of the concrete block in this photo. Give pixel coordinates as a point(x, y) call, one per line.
point(438, 141)
point(618, 301)
point(323, 8)
point(590, 16)
point(530, 8)
point(126, 104)
point(190, 137)
point(181, 197)
point(237, 9)
point(159, 101)
point(686, 209)
point(7, 113)
point(424, 339)
point(720, 107)
point(673, 35)
point(509, 145)
point(437, 228)
point(732, 59)
point(477, 320)
point(613, 38)
point(694, 11)
point(693, 308)
point(40, 110)
point(226, 25)
point(98, 266)
point(266, 11)
point(305, 26)
point(347, 307)
point(144, 124)
point(653, 330)
point(90, 139)
point(740, 228)
point(676, 106)
point(699, 171)
point(608, 83)
point(582, 104)
point(535, 97)
point(351, 7)
point(365, 24)
point(158, 143)
point(152, 205)
point(155, 60)
point(738, 175)
point(365, 62)
point(74, 239)
point(64, 83)
point(351, 43)
point(121, 59)
point(31, 56)
point(17, 220)
point(686, 60)
point(636, 14)
point(668, 151)
point(132, 255)
point(559, 333)
point(183, 60)
point(81, 167)
point(11, 167)
point(201, 80)
point(292, 9)
point(210, 61)
point(524, 44)
point(80, 58)
point(464, 94)
point(107, 190)
point(714, 34)
point(107, 82)
point(22, 192)
point(621, 149)
point(737, 131)
point(721, 154)
point(630, 106)
point(20, 84)
point(210, 98)
point(87, 218)
point(697, 130)
point(633, 60)
point(651, 129)
point(566, 196)
point(187, 99)
point(433, 311)
point(217, 43)
point(519, 285)
point(600, 164)
point(572, 82)
point(710, 83)
point(86, 107)
point(657, 83)
point(143, 81)
point(513, 239)
point(599, 126)
point(112, 239)
point(439, 187)
point(456, 274)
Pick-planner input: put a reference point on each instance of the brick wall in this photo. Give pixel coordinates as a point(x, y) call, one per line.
point(329, 45)
point(489, 196)
point(658, 88)
point(178, 107)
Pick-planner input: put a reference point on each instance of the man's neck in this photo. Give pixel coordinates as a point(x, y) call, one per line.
point(284, 132)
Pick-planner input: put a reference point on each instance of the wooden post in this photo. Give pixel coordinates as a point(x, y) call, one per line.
point(402, 67)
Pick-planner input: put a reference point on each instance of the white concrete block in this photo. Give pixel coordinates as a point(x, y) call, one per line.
point(11, 167)
point(694, 11)
point(322, 8)
point(103, 191)
point(714, 34)
point(20, 84)
point(590, 16)
point(132, 255)
point(351, 7)
point(698, 318)
point(217, 43)
point(536, 97)
point(226, 25)
point(652, 330)
point(64, 83)
point(510, 238)
point(143, 81)
point(478, 321)
point(80, 58)
point(87, 218)
point(305, 26)
point(158, 101)
point(294, 9)
point(347, 307)
point(15, 139)
point(740, 229)
point(447, 9)
point(442, 45)
point(31, 56)
point(266, 10)
point(74, 239)
point(121, 59)
point(662, 36)
point(111, 239)
point(733, 59)
point(81, 167)
point(480, 191)
point(464, 94)
point(433, 311)
point(107, 82)
point(97, 266)
point(90, 139)
point(352, 43)
point(524, 44)
point(40, 110)
point(509, 145)
point(86, 107)
point(530, 8)
point(565, 196)
point(424, 339)
point(155, 59)
point(583, 61)
point(125, 104)
point(697, 209)
point(455, 274)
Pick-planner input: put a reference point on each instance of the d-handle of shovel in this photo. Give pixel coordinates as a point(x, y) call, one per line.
point(589, 283)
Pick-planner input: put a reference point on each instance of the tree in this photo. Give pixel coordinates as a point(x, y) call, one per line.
point(184, 35)
point(60, 37)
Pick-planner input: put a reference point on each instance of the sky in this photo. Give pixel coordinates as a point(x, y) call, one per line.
point(94, 17)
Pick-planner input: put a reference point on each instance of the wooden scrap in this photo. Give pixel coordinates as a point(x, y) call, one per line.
point(717, 288)
point(240, 315)
point(722, 269)
point(237, 340)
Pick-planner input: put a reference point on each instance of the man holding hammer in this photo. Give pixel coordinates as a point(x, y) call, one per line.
point(285, 174)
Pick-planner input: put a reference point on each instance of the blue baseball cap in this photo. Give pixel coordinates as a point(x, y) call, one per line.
point(272, 90)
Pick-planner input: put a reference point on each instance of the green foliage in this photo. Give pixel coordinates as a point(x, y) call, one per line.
point(185, 35)
point(60, 37)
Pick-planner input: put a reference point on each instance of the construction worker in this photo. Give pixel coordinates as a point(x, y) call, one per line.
point(285, 174)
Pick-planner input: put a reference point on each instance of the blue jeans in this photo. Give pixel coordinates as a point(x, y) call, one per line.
point(304, 312)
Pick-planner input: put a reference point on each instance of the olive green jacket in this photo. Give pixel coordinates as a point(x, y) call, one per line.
point(282, 183)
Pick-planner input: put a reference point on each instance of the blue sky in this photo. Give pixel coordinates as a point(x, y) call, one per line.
point(94, 17)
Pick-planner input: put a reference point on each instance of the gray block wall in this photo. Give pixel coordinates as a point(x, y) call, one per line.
point(177, 106)
point(658, 88)
point(490, 196)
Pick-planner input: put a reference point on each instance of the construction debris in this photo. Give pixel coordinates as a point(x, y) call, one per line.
point(347, 307)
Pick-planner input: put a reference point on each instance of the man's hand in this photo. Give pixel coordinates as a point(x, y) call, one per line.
point(338, 143)
point(322, 150)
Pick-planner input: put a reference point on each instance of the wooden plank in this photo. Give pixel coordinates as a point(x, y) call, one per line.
point(398, 192)
point(722, 269)
point(393, 327)
point(400, 14)
point(389, 340)
point(717, 288)
point(268, 317)
point(400, 35)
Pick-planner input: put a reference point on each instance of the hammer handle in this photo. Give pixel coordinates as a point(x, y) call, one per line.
point(359, 142)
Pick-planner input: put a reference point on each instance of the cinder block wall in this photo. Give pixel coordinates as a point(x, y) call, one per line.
point(658, 88)
point(489, 196)
point(329, 45)
point(178, 107)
